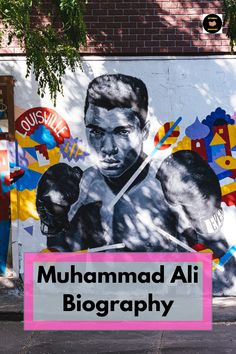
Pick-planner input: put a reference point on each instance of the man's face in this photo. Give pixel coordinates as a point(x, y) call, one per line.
point(116, 138)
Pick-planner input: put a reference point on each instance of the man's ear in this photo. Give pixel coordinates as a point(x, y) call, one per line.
point(145, 130)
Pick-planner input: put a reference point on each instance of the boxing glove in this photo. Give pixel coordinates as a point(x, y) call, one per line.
point(189, 181)
point(57, 190)
point(86, 230)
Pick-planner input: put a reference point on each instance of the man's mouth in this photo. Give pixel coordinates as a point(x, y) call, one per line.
point(109, 163)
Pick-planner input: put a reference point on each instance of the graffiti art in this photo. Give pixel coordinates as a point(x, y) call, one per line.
point(106, 192)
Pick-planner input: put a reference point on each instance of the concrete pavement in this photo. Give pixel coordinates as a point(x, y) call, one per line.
point(14, 340)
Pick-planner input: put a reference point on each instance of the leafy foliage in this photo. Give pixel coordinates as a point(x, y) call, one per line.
point(51, 41)
point(230, 19)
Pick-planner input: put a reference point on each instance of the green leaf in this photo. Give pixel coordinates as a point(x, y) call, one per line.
point(49, 52)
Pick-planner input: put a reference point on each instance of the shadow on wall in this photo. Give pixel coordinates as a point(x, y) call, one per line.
point(151, 27)
point(200, 92)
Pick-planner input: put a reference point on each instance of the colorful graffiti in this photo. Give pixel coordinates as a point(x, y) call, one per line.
point(171, 139)
point(214, 139)
point(73, 150)
point(42, 139)
point(114, 198)
point(4, 210)
point(69, 205)
point(39, 133)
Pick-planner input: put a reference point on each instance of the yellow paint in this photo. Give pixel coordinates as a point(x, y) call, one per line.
point(217, 140)
point(54, 158)
point(172, 123)
point(14, 208)
point(79, 151)
point(25, 142)
point(184, 144)
point(67, 147)
point(232, 135)
point(170, 140)
point(215, 260)
point(228, 188)
point(161, 132)
point(23, 205)
point(72, 149)
point(222, 162)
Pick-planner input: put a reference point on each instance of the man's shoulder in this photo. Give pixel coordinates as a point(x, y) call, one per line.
point(92, 171)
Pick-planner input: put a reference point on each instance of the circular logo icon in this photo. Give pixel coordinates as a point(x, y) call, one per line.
point(212, 23)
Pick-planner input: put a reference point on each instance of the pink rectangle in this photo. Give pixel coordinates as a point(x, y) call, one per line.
point(204, 324)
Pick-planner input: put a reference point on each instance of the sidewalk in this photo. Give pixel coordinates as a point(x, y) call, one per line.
point(220, 340)
point(11, 303)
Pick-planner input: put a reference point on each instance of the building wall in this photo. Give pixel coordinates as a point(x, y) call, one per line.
point(186, 87)
point(152, 27)
point(144, 27)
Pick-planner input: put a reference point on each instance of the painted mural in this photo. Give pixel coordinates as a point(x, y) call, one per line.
point(214, 139)
point(125, 198)
point(4, 206)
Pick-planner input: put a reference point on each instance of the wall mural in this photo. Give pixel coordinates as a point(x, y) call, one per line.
point(177, 206)
point(214, 139)
point(4, 207)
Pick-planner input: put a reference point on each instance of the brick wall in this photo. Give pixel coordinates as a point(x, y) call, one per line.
point(152, 27)
point(131, 27)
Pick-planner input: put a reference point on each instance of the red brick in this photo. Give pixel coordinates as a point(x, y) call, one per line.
point(152, 43)
point(183, 44)
point(115, 12)
point(121, 5)
point(121, 43)
point(102, 12)
point(104, 5)
point(131, 37)
point(137, 31)
point(125, 26)
point(144, 50)
point(168, 43)
point(175, 37)
point(160, 37)
point(136, 43)
point(190, 49)
point(198, 43)
point(105, 19)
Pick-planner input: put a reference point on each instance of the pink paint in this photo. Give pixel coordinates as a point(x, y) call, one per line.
point(204, 324)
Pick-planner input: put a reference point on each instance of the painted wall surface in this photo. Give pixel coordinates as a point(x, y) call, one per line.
point(4, 205)
point(66, 178)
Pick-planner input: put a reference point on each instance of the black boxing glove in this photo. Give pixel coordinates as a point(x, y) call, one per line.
point(57, 190)
point(189, 181)
point(86, 230)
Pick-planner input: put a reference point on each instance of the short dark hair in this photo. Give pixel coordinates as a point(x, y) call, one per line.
point(117, 90)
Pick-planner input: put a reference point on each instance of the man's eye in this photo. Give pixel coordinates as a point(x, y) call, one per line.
point(96, 132)
point(124, 132)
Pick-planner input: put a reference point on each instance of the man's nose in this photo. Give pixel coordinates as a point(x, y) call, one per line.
point(108, 145)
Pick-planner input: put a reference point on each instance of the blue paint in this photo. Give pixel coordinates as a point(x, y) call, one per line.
point(28, 181)
point(29, 229)
point(4, 241)
point(210, 120)
point(222, 175)
point(161, 142)
point(226, 257)
point(218, 151)
point(43, 136)
point(32, 152)
point(219, 113)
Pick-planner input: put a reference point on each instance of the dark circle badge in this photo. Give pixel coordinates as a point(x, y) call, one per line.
point(212, 23)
